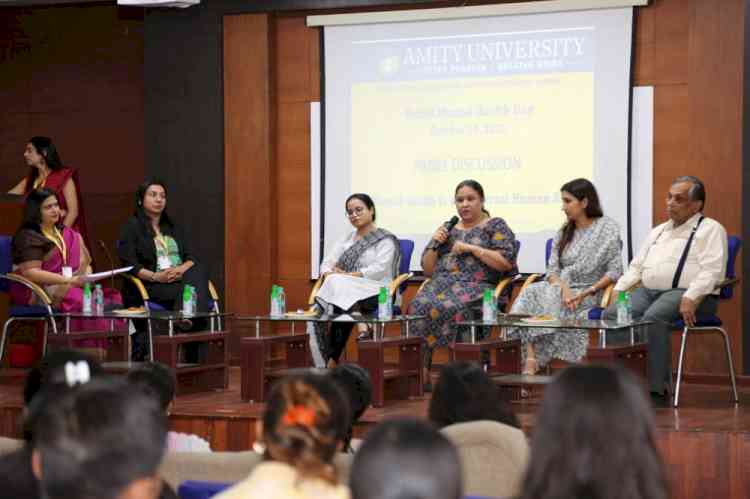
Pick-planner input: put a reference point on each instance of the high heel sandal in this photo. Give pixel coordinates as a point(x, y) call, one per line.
point(531, 367)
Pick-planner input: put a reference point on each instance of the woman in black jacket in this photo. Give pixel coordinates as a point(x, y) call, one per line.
point(160, 254)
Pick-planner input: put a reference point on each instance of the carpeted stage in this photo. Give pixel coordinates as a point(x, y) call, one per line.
point(706, 442)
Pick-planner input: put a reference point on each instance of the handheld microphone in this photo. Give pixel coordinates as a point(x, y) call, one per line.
point(109, 259)
point(448, 226)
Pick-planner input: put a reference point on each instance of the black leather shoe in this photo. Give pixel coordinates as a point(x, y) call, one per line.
point(659, 400)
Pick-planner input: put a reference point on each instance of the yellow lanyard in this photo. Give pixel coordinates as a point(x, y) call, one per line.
point(40, 181)
point(58, 240)
point(162, 241)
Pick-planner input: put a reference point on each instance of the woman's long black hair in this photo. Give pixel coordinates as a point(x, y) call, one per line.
point(581, 189)
point(46, 148)
point(165, 222)
point(32, 210)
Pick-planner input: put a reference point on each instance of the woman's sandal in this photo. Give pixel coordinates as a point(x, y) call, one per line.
point(531, 367)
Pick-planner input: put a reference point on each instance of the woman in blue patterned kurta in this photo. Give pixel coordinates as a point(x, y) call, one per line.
point(585, 259)
point(473, 256)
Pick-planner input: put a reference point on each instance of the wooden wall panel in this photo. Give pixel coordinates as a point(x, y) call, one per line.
point(75, 73)
point(250, 234)
point(296, 87)
point(691, 52)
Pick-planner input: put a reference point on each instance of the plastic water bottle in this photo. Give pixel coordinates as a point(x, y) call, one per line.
point(98, 300)
point(187, 300)
point(87, 298)
point(623, 308)
point(489, 308)
point(281, 298)
point(193, 300)
point(384, 305)
point(275, 312)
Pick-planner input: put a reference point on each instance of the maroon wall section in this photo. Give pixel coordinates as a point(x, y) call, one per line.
point(75, 74)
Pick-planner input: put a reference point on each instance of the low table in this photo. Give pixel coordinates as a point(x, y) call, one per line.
point(211, 372)
point(612, 342)
point(626, 344)
point(258, 370)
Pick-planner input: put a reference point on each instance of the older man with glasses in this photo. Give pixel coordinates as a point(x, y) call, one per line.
point(676, 269)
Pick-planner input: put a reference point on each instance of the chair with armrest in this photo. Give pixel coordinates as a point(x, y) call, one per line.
point(712, 322)
point(42, 312)
point(504, 286)
point(397, 285)
point(153, 306)
point(596, 312)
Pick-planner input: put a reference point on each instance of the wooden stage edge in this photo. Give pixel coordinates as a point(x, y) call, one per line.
point(707, 428)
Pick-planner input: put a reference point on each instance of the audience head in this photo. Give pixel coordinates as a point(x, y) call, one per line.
point(589, 412)
point(155, 379)
point(150, 202)
point(41, 151)
point(355, 383)
point(686, 197)
point(50, 371)
point(406, 459)
point(471, 194)
point(463, 393)
point(100, 439)
point(305, 424)
point(41, 207)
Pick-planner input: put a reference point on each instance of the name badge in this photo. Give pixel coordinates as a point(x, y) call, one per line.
point(67, 272)
point(164, 263)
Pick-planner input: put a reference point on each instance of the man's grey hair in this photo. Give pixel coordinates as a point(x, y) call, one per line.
point(697, 191)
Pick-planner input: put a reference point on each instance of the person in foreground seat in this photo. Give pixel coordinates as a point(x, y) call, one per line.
point(158, 381)
point(98, 440)
point(585, 259)
point(406, 459)
point(358, 265)
point(463, 393)
point(355, 382)
point(304, 426)
point(677, 269)
point(595, 439)
point(461, 261)
point(47, 375)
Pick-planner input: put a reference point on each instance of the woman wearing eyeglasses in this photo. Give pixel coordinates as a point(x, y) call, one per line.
point(357, 267)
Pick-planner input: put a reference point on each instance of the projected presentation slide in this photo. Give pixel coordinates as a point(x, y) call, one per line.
point(520, 107)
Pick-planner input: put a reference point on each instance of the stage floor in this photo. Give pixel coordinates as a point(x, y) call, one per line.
point(703, 408)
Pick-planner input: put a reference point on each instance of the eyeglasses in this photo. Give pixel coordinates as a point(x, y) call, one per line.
point(355, 212)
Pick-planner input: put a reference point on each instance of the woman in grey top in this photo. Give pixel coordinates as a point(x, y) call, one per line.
point(585, 260)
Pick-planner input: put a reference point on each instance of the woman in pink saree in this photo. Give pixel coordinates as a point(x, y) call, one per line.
point(54, 257)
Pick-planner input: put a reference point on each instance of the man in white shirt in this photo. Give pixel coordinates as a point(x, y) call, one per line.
point(669, 290)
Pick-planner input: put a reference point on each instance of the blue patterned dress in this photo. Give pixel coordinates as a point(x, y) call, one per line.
point(458, 281)
point(593, 253)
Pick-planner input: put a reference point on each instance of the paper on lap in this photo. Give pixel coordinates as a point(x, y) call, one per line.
point(103, 275)
point(345, 290)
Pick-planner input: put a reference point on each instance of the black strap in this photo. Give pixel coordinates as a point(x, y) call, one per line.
point(683, 258)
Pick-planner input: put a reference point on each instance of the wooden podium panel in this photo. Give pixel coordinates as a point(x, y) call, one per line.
point(11, 214)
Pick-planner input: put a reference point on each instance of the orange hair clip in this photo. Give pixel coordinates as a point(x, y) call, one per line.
point(299, 414)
